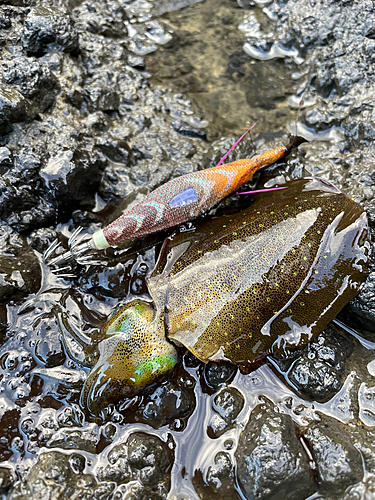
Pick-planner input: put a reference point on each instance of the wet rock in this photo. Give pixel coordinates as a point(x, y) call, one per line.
point(143, 458)
point(15, 368)
point(70, 416)
point(167, 403)
point(6, 159)
point(338, 463)
point(111, 282)
point(227, 405)
point(360, 312)
point(366, 401)
point(11, 243)
point(118, 151)
point(8, 431)
point(73, 176)
point(77, 462)
point(13, 107)
point(55, 476)
point(217, 374)
point(319, 371)
point(7, 478)
point(18, 389)
point(187, 130)
point(136, 61)
point(76, 439)
point(3, 324)
point(5, 23)
point(220, 475)
point(22, 198)
point(101, 98)
point(106, 18)
point(152, 151)
point(67, 383)
point(50, 351)
point(365, 490)
point(219, 481)
point(190, 361)
point(19, 275)
point(33, 79)
point(271, 462)
point(97, 103)
point(21, 3)
point(163, 6)
point(41, 239)
point(48, 29)
point(364, 438)
point(44, 428)
point(336, 87)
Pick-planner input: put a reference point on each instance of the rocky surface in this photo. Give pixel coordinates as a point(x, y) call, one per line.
point(270, 459)
point(100, 103)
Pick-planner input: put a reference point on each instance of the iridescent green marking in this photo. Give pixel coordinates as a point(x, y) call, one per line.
point(152, 369)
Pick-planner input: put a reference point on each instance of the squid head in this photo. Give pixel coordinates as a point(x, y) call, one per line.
point(134, 353)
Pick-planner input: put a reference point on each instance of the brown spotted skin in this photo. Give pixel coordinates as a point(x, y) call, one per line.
point(267, 279)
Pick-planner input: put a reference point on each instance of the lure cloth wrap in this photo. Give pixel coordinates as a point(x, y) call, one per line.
point(185, 198)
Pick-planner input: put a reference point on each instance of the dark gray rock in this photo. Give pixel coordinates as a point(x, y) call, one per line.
point(271, 462)
point(167, 403)
point(48, 29)
point(143, 458)
point(6, 159)
point(217, 374)
point(22, 197)
point(99, 98)
point(75, 439)
point(96, 104)
point(361, 490)
point(15, 367)
point(33, 79)
point(187, 130)
point(364, 438)
point(10, 241)
point(70, 416)
point(136, 61)
point(227, 405)
point(219, 481)
point(319, 371)
point(360, 312)
point(55, 476)
point(220, 475)
point(19, 275)
point(5, 23)
point(50, 350)
point(40, 239)
point(7, 478)
point(13, 107)
point(8, 432)
point(338, 463)
point(106, 18)
point(73, 176)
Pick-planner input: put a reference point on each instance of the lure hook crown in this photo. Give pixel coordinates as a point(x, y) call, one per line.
point(81, 251)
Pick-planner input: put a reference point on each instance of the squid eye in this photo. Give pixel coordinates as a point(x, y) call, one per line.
point(183, 198)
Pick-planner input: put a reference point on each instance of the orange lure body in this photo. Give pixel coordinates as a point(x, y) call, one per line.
point(184, 198)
